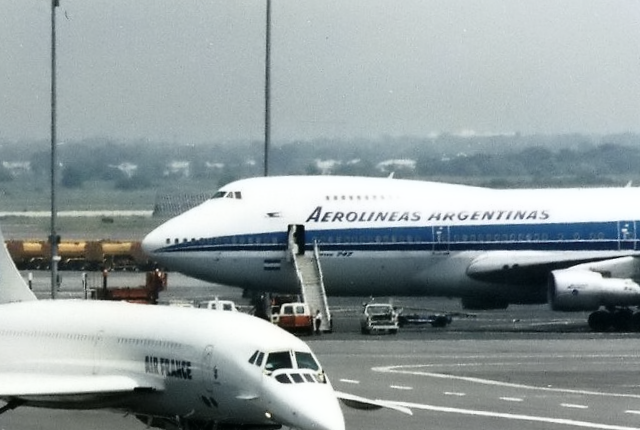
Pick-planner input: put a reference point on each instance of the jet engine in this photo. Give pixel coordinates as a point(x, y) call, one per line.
point(587, 290)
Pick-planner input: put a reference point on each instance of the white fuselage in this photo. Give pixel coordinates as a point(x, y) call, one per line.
point(392, 237)
point(188, 363)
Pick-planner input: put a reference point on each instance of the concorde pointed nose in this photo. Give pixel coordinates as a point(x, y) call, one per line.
point(311, 410)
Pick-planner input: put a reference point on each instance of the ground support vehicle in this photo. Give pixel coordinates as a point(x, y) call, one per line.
point(218, 305)
point(377, 318)
point(436, 320)
point(295, 317)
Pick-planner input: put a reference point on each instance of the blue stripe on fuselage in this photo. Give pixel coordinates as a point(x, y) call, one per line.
point(587, 236)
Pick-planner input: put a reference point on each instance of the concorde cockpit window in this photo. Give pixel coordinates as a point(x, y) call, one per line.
point(227, 194)
point(306, 361)
point(278, 360)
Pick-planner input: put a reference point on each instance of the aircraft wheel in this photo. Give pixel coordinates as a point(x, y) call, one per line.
point(635, 321)
point(600, 320)
point(621, 320)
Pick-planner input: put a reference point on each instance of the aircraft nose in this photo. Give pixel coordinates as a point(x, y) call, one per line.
point(311, 411)
point(152, 242)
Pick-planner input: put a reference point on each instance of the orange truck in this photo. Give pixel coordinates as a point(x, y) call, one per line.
point(295, 317)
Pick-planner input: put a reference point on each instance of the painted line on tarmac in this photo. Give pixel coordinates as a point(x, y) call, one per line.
point(400, 387)
point(630, 411)
point(349, 381)
point(403, 370)
point(573, 406)
point(453, 393)
point(515, 417)
point(512, 399)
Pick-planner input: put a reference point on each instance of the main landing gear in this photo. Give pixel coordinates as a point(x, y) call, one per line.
point(616, 319)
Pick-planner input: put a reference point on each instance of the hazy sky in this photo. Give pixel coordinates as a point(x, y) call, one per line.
point(193, 70)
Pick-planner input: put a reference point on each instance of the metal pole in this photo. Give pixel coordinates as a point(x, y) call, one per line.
point(267, 91)
point(53, 239)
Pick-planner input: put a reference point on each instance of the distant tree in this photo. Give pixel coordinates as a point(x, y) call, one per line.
point(40, 162)
point(135, 182)
point(5, 174)
point(72, 177)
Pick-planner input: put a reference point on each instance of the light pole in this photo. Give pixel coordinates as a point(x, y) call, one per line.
point(267, 90)
point(53, 238)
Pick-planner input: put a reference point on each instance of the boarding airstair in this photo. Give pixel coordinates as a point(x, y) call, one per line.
point(309, 273)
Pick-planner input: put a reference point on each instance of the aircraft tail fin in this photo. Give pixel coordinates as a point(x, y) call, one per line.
point(13, 288)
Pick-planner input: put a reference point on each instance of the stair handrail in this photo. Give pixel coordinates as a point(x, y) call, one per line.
point(316, 256)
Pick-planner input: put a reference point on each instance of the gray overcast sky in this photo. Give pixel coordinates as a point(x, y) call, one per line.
point(193, 70)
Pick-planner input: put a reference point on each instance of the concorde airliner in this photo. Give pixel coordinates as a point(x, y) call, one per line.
point(169, 367)
point(575, 248)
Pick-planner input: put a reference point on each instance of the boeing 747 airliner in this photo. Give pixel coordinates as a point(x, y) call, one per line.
point(169, 367)
point(575, 248)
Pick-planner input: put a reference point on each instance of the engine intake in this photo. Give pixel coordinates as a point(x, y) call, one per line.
point(586, 290)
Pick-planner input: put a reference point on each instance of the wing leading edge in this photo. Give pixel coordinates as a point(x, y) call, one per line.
point(533, 267)
point(77, 390)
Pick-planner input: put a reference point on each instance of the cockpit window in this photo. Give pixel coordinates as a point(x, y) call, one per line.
point(283, 378)
point(306, 361)
point(227, 194)
point(278, 360)
point(293, 367)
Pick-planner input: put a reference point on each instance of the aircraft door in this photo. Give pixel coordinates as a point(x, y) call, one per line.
point(627, 235)
point(297, 239)
point(441, 239)
point(98, 346)
point(209, 369)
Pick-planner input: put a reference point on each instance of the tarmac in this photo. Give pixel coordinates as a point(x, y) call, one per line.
point(525, 367)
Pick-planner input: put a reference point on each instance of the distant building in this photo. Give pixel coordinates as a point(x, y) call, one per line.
point(17, 168)
point(178, 168)
point(389, 166)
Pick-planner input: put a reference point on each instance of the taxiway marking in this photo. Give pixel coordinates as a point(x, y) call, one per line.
point(403, 370)
point(400, 387)
point(515, 417)
point(573, 406)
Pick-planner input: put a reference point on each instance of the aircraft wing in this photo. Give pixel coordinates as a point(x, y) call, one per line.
point(358, 402)
point(532, 267)
point(42, 386)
